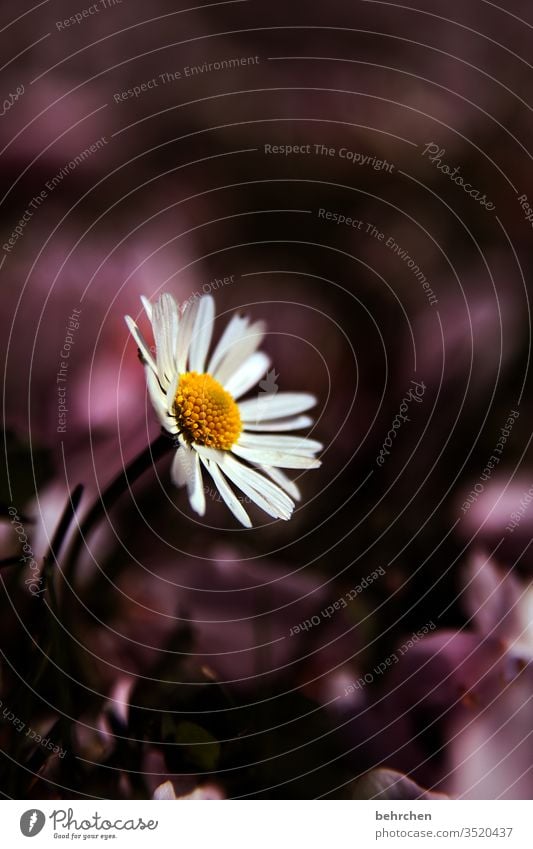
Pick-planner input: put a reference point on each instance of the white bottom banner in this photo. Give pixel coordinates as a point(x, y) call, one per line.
point(235, 824)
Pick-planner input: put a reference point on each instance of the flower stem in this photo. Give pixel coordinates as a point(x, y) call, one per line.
point(52, 555)
point(153, 452)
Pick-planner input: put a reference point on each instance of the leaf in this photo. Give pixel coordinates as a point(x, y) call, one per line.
point(201, 748)
point(389, 784)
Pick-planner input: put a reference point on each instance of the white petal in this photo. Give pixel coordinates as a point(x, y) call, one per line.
point(267, 495)
point(171, 393)
point(283, 481)
point(202, 333)
point(165, 327)
point(195, 485)
point(181, 469)
point(214, 454)
point(279, 406)
point(236, 328)
point(290, 444)
point(187, 321)
point(295, 423)
point(158, 399)
point(247, 340)
point(227, 493)
point(147, 307)
point(249, 374)
point(273, 457)
point(157, 394)
point(141, 343)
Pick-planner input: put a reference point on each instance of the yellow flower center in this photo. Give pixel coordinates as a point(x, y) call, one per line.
point(205, 412)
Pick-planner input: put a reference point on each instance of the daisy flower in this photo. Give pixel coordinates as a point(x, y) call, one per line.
point(198, 398)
